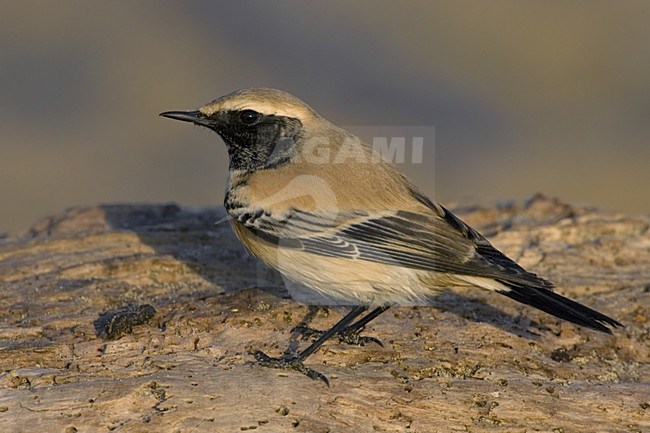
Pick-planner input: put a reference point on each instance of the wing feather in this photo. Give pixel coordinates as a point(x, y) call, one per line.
point(437, 241)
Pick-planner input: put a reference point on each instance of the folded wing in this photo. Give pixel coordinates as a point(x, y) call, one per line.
point(436, 241)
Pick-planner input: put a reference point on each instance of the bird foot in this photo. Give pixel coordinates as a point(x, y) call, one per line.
point(346, 335)
point(289, 363)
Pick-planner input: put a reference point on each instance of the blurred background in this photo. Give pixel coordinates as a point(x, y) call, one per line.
point(525, 97)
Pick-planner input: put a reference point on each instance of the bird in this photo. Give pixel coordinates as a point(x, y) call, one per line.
point(331, 214)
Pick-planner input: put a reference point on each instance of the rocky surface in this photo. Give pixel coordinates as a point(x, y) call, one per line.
point(470, 362)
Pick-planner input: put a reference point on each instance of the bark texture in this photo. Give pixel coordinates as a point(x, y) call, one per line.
point(470, 362)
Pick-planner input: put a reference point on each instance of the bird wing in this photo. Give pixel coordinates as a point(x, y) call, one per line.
point(435, 241)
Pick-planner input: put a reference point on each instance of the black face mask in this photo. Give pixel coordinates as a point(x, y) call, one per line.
point(256, 141)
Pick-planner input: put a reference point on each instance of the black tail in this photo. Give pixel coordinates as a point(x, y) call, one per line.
point(559, 306)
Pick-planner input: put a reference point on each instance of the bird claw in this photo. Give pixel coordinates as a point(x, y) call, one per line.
point(289, 363)
point(348, 336)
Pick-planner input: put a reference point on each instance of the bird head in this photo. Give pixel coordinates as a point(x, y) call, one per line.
point(261, 127)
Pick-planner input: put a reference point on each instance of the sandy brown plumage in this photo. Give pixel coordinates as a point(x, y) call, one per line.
point(323, 208)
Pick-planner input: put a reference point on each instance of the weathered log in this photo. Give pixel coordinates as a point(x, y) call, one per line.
point(472, 361)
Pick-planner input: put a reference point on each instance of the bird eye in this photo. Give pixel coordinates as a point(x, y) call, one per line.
point(249, 117)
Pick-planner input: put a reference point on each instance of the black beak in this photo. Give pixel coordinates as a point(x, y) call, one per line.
point(195, 117)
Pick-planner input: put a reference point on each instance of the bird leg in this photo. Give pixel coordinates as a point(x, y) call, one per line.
point(349, 334)
point(295, 362)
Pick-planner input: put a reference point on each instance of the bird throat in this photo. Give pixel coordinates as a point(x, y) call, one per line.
point(266, 145)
